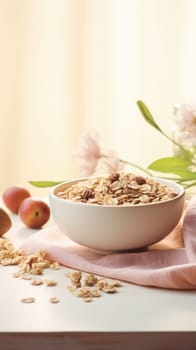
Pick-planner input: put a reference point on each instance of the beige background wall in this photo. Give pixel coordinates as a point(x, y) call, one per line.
point(69, 66)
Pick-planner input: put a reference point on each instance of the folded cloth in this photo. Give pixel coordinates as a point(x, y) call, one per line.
point(170, 263)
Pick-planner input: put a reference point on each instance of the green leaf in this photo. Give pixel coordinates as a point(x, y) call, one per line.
point(185, 153)
point(169, 163)
point(147, 115)
point(44, 183)
point(173, 165)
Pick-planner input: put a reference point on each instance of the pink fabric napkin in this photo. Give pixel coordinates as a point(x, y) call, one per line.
point(170, 263)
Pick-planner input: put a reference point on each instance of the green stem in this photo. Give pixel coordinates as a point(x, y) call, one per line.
point(184, 150)
point(190, 185)
point(172, 178)
point(135, 166)
point(185, 180)
point(131, 164)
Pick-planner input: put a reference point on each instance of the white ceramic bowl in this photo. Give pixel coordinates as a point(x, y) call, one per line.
point(115, 228)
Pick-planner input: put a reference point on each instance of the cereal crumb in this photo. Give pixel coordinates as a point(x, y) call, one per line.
point(54, 300)
point(72, 288)
point(55, 265)
point(83, 292)
point(101, 284)
point(50, 283)
point(96, 293)
point(109, 289)
point(76, 278)
point(16, 274)
point(36, 282)
point(28, 300)
point(87, 300)
point(26, 276)
point(115, 283)
point(90, 280)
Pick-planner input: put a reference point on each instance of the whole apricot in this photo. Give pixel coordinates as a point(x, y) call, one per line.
point(13, 197)
point(34, 213)
point(5, 222)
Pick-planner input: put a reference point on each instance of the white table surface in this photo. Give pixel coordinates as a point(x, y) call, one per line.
point(134, 310)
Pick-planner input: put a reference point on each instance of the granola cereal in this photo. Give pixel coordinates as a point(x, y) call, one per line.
point(118, 189)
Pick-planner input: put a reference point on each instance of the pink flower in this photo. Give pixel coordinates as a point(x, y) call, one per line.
point(109, 164)
point(87, 153)
point(186, 121)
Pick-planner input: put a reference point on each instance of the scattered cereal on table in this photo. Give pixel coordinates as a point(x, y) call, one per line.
point(83, 285)
point(92, 286)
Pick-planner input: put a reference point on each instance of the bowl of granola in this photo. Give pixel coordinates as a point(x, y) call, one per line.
point(117, 212)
